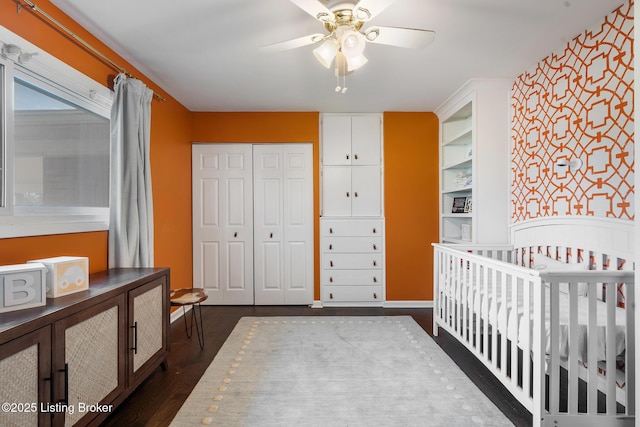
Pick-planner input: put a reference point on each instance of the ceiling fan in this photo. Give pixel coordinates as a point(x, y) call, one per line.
point(345, 39)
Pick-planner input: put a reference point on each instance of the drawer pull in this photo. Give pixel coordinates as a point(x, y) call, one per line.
point(375, 263)
point(355, 194)
point(355, 156)
point(375, 279)
point(330, 263)
point(347, 157)
point(330, 247)
point(271, 235)
point(331, 295)
point(235, 234)
point(374, 231)
point(375, 248)
point(330, 230)
point(375, 296)
point(347, 194)
point(330, 279)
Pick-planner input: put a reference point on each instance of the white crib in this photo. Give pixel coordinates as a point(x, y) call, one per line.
point(529, 321)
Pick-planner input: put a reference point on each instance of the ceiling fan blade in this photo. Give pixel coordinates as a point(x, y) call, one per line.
point(367, 9)
point(315, 9)
point(404, 37)
point(294, 43)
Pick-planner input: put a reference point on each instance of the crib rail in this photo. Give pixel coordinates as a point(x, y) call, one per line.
point(508, 316)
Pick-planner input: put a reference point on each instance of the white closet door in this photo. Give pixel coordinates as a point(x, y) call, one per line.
point(223, 222)
point(365, 140)
point(268, 229)
point(366, 189)
point(298, 223)
point(336, 140)
point(336, 191)
point(283, 223)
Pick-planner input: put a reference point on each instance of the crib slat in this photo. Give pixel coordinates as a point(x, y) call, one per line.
point(573, 349)
point(513, 283)
point(494, 315)
point(554, 357)
point(611, 348)
point(525, 343)
point(592, 352)
point(538, 350)
point(503, 320)
point(630, 354)
point(485, 314)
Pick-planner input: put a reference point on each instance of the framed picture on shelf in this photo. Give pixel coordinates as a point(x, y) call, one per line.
point(468, 205)
point(459, 204)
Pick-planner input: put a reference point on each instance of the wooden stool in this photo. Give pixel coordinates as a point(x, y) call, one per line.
point(190, 296)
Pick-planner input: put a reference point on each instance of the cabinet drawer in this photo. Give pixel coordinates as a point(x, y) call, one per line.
point(352, 227)
point(351, 244)
point(352, 294)
point(351, 277)
point(352, 261)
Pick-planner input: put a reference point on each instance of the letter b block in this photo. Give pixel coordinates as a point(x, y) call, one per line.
point(22, 286)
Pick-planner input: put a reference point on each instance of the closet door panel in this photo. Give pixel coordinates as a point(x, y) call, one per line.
point(268, 227)
point(336, 140)
point(365, 140)
point(336, 191)
point(366, 187)
point(223, 222)
point(298, 223)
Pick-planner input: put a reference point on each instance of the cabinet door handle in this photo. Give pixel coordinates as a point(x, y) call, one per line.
point(375, 296)
point(51, 388)
point(355, 194)
point(355, 156)
point(347, 194)
point(135, 338)
point(331, 295)
point(66, 383)
point(347, 157)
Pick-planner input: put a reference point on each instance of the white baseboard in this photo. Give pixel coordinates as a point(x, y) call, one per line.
point(408, 304)
point(387, 304)
point(178, 313)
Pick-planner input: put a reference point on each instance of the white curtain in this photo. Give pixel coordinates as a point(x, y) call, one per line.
point(131, 220)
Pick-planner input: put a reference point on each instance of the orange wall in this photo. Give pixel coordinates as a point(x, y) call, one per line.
point(411, 203)
point(263, 128)
point(170, 155)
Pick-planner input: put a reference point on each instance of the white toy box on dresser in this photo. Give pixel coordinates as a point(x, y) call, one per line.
point(352, 221)
point(65, 274)
point(22, 286)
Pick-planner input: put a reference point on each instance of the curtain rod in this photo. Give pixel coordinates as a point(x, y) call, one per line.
point(86, 45)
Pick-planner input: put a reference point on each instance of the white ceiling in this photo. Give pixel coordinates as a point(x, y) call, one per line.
point(206, 53)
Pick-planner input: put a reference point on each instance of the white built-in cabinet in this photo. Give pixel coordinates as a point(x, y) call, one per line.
point(253, 223)
point(474, 163)
point(352, 222)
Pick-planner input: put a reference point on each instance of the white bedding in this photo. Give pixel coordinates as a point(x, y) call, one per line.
point(484, 306)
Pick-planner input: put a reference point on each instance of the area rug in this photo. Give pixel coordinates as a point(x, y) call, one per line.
point(334, 371)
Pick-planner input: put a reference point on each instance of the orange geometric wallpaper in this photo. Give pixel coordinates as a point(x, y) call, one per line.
point(577, 104)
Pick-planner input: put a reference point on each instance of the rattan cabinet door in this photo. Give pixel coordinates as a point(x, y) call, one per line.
point(148, 324)
point(88, 361)
point(25, 370)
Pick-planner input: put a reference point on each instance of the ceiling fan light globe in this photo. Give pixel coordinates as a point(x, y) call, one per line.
point(352, 43)
point(356, 62)
point(326, 52)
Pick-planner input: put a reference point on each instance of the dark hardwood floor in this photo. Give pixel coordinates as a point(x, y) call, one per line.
point(159, 398)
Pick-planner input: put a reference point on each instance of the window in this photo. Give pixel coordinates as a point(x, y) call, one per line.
point(55, 151)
